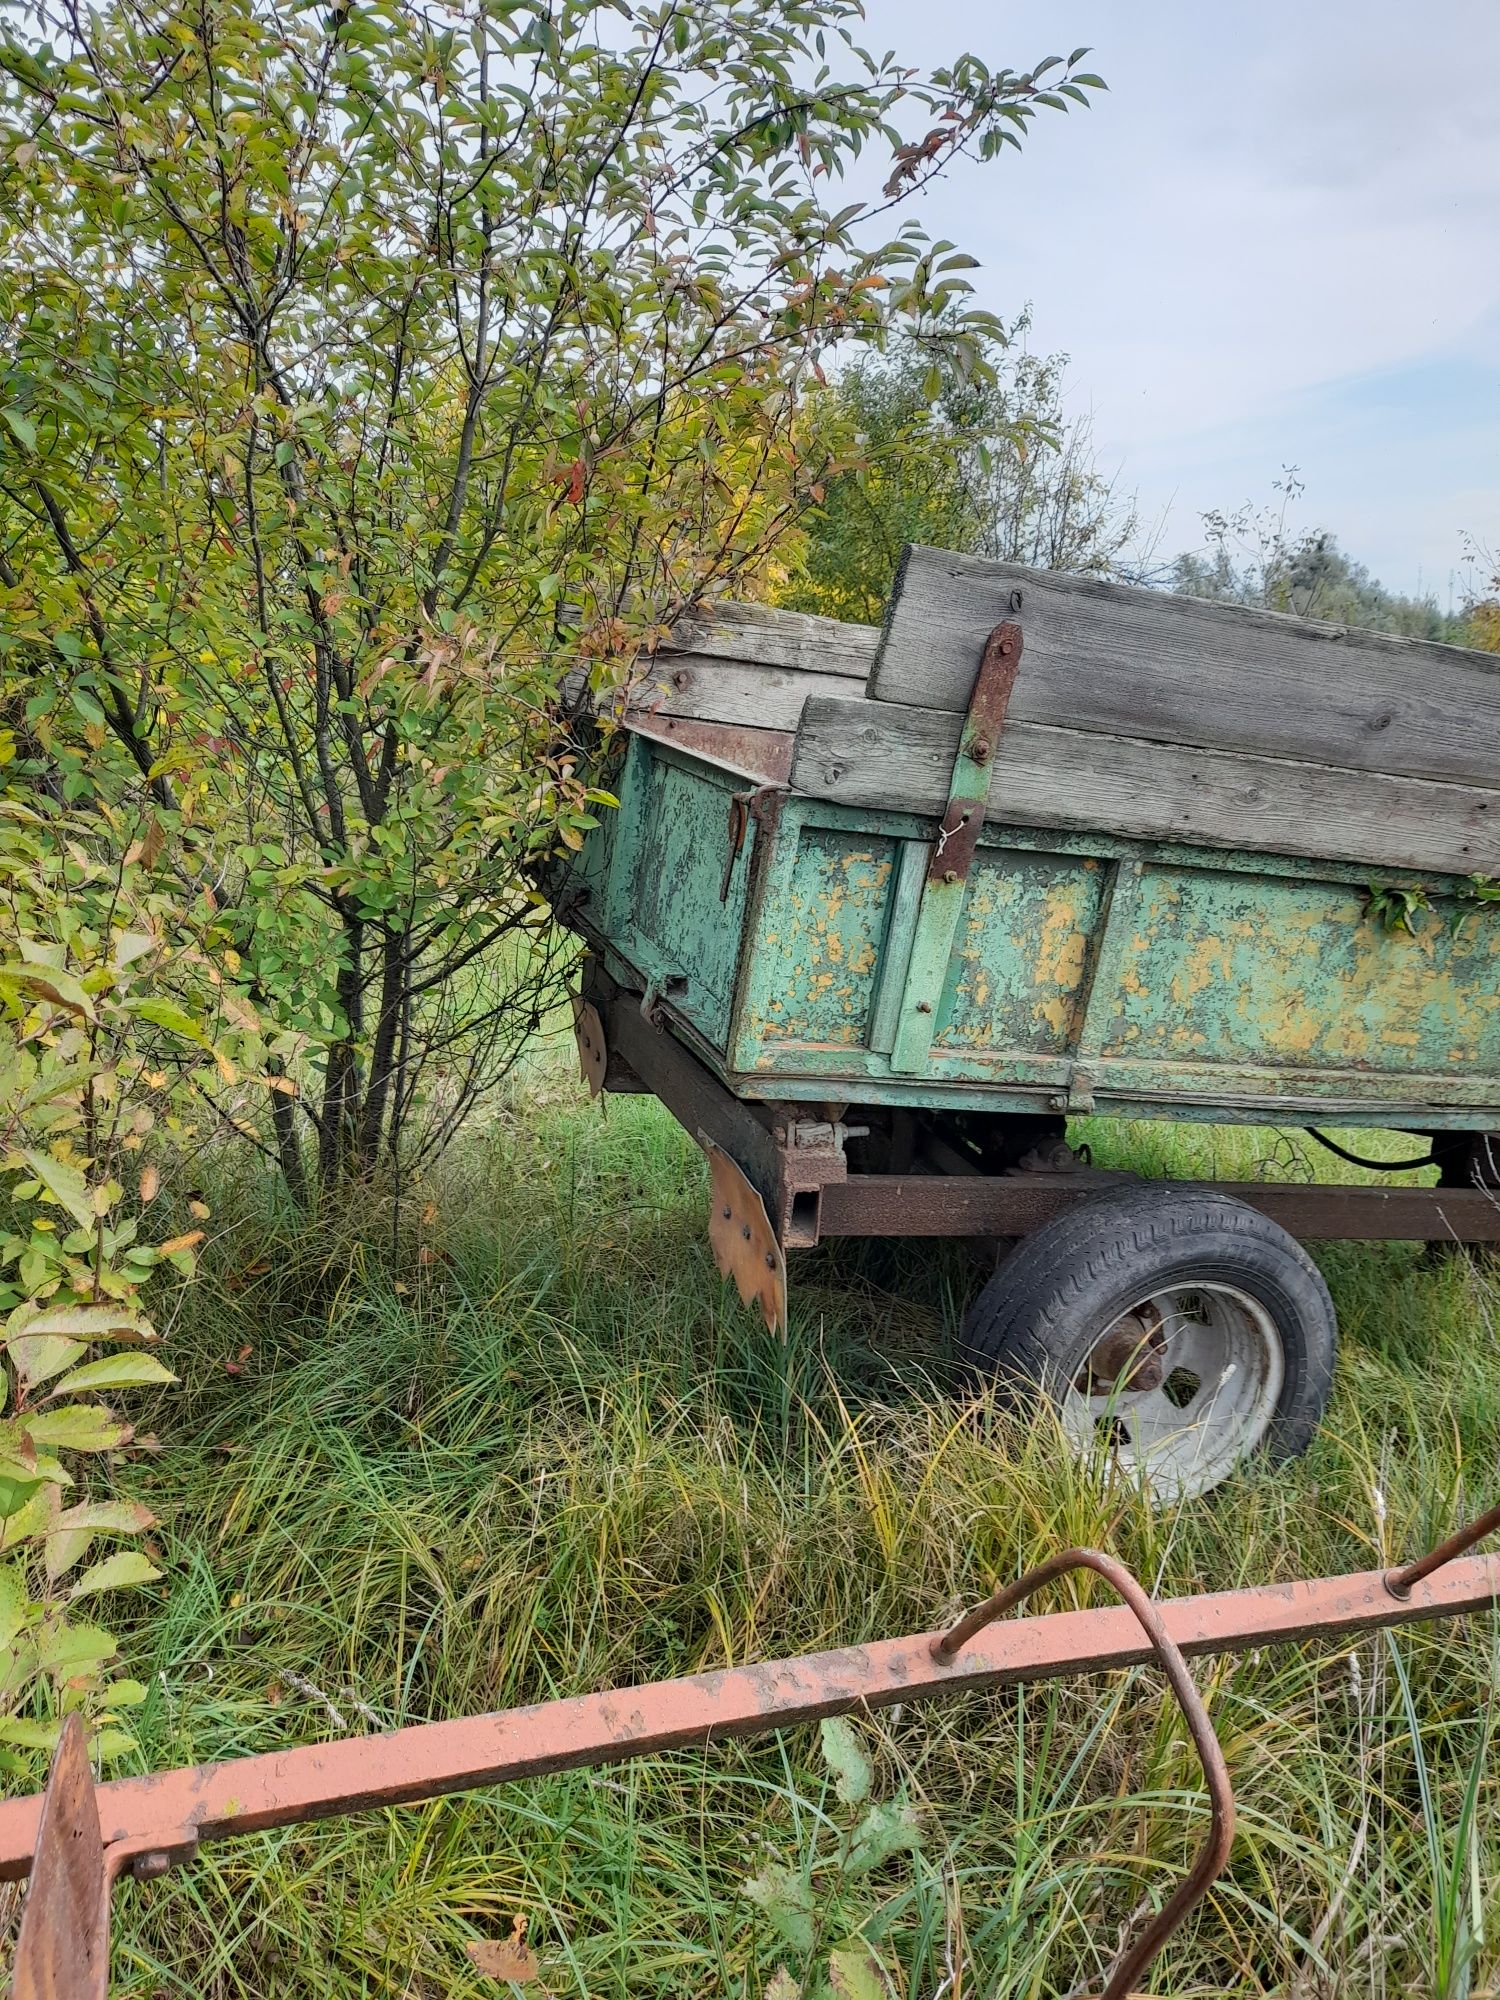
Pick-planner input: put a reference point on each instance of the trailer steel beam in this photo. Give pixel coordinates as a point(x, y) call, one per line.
point(1017, 1204)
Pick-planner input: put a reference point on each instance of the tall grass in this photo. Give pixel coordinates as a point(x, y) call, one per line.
point(555, 1456)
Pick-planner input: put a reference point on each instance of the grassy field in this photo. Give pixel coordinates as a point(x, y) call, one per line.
point(556, 1456)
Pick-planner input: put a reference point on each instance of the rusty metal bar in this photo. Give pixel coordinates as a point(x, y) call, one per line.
point(1400, 1582)
point(62, 1951)
point(165, 1813)
point(1016, 1204)
point(760, 1139)
point(1133, 1962)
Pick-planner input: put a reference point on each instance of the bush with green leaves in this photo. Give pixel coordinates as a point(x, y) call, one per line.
point(359, 368)
point(922, 446)
point(106, 1025)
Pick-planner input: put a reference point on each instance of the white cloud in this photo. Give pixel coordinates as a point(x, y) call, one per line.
point(1276, 202)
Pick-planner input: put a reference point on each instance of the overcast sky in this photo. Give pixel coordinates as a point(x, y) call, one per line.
point(1276, 241)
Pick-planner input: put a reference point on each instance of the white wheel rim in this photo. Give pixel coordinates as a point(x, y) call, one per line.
point(1222, 1370)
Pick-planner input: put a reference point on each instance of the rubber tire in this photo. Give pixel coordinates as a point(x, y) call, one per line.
point(1041, 1314)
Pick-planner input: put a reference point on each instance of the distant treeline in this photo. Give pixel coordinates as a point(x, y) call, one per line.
point(920, 453)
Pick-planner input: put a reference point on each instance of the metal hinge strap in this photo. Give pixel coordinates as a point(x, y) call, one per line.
point(952, 854)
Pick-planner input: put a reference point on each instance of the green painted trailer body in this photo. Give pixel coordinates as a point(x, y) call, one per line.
point(773, 932)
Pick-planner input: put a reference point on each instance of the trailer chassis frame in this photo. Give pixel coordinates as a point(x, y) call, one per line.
point(798, 1167)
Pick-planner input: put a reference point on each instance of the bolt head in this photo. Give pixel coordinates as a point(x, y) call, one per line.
point(924, 1006)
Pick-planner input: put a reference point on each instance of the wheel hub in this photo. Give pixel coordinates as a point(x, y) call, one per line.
point(1180, 1387)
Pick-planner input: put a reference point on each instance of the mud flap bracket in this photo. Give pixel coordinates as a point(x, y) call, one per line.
point(742, 1239)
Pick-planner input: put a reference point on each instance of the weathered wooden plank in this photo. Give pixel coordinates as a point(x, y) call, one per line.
point(772, 638)
point(1118, 660)
point(885, 756)
point(708, 689)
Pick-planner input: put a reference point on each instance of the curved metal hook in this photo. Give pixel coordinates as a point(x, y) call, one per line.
point(1132, 1963)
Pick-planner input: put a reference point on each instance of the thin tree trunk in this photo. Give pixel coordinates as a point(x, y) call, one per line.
point(288, 1140)
point(393, 980)
point(338, 1130)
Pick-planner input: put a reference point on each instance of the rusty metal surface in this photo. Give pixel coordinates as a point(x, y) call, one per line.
point(1401, 1581)
point(742, 1239)
point(316, 1780)
point(593, 1055)
point(764, 753)
point(760, 806)
point(1214, 1853)
point(62, 1952)
point(1014, 1205)
point(958, 834)
point(761, 1139)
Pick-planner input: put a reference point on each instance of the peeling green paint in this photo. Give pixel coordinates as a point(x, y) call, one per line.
point(1223, 985)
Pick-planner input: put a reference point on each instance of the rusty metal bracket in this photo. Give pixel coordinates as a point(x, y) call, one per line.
point(1132, 1963)
point(744, 807)
point(593, 1051)
point(739, 819)
point(63, 1949)
point(952, 854)
point(742, 1238)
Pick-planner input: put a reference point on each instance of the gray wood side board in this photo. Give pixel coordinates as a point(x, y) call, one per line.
point(771, 638)
point(885, 756)
point(1123, 661)
point(708, 689)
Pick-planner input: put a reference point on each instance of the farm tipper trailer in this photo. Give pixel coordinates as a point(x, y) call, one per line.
point(876, 915)
point(880, 910)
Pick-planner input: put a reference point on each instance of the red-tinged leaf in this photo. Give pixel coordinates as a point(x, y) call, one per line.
point(574, 477)
point(77, 1427)
point(74, 1322)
